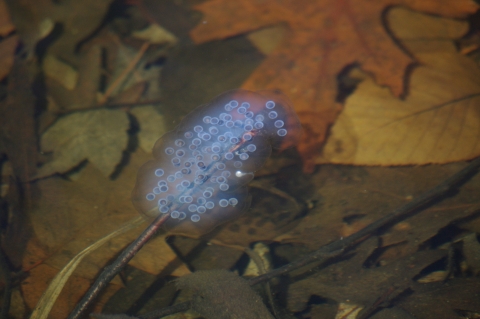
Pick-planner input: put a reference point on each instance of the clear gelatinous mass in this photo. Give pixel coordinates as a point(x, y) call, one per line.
point(201, 169)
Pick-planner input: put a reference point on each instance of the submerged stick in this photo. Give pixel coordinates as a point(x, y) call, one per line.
point(112, 270)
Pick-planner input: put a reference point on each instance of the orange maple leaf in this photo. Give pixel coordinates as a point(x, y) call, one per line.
point(323, 38)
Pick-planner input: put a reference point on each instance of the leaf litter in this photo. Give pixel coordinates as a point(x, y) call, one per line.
point(324, 38)
point(99, 136)
point(68, 215)
point(437, 122)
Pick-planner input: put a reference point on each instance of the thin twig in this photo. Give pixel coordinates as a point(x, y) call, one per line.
point(112, 105)
point(112, 270)
point(125, 72)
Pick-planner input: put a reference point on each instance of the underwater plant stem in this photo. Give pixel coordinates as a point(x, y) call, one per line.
point(112, 270)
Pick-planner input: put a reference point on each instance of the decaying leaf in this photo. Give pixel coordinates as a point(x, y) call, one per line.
point(6, 25)
point(38, 280)
point(7, 51)
point(324, 38)
point(17, 122)
point(471, 251)
point(155, 34)
point(457, 298)
point(353, 197)
point(348, 282)
point(272, 213)
point(60, 71)
point(7, 44)
point(152, 126)
point(45, 304)
point(99, 136)
point(72, 88)
point(70, 216)
point(438, 122)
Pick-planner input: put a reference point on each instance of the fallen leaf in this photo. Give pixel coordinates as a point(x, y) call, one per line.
point(50, 295)
point(155, 34)
point(324, 38)
point(6, 25)
point(471, 251)
point(353, 197)
point(17, 123)
point(99, 136)
point(152, 126)
point(266, 40)
point(72, 88)
point(60, 71)
point(131, 95)
point(7, 55)
point(272, 213)
point(38, 280)
point(69, 216)
point(130, 67)
point(456, 298)
point(438, 122)
point(347, 281)
point(79, 20)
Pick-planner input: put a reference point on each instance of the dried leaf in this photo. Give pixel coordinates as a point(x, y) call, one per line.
point(324, 38)
point(45, 304)
point(272, 213)
point(471, 250)
point(17, 126)
point(348, 281)
point(155, 34)
point(354, 197)
point(266, 40)
point(7, 54)
point(70, 216)
point(38, 280)
point(152, 126)
point(71, 89)
point(6, 25)
point(60, 71)
point(99, 136)
point(459, 299)
point(439, 120)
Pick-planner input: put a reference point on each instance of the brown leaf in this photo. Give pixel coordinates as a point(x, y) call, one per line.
point(99, 136)
point(152, 126)
point(457, 298)
point(354, 197)
point(7, 53)
point(349, 282)
point(324, 38)
point(438, 121)
point(39, 278)
point(272, 213)
point(74, 89)
point(471, 251)
point(69, 216)
point(6, 25)
point(18, 139)
point(60, 71)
